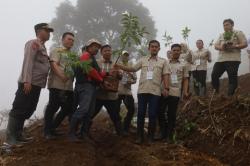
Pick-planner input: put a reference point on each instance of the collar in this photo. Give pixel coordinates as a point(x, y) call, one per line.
point(40, 41)
point(104, 61)
point(152, 57)
point(64, 48)
point(174, 61)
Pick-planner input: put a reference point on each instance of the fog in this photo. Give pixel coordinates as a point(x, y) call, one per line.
point(204, 18)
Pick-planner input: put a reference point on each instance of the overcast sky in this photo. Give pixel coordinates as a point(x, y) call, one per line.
point(204, 17)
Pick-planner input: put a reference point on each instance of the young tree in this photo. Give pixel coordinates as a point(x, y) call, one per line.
point(132, 34)
point(167, 39)
point(185, 34)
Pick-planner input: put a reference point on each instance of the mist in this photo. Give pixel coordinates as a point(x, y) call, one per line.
point(204, 18)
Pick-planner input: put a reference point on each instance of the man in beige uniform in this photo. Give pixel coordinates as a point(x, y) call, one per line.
point(60, 86)
point(154, 70)
point(199, 68)
point(229, 46)
point(248, 51)
point(168, 105)
point(125, 93)
point(186, 59)
point(33, 77)
point(106, 98)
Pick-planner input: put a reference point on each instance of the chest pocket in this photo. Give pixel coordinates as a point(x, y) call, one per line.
point(42, 56)
point(157, 76)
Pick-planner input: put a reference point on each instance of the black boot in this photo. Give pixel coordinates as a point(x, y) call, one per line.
point(84, 130)
point(11, 132)
point(118, 128)
point(73, 129)
point(140, 134)
point(21, 137)
point(231, 90)
point(140, 137)
point(151, 132)
point(203, 91)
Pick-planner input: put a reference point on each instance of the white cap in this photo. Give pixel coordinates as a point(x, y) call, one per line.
point(125, 52)
point(92, 41)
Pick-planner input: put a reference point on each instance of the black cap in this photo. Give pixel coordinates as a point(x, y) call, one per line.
point(43, 26)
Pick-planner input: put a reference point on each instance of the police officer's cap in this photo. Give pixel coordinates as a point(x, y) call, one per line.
point(43, 26)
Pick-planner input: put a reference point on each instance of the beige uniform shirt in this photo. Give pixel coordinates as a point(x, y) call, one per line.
point(179, 71)
point(101, 93)
point(124, 86)
point(152, 70)
point(186, 59)
point(35, 64)
point(234, 54)
point(200, 59)
point(59, 56)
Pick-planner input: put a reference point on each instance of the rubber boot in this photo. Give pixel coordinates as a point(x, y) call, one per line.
point(20, 135)
point(140, 133)
point(151, 132)
point(11, 132)
point(231, 90)
point(203, 91)
point(73, 129)
point(84, 131)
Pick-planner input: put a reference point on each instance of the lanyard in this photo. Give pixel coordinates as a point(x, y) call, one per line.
point(105, 65)
point(150, 66)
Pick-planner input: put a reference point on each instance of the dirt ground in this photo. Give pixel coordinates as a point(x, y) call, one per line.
point(205, 136)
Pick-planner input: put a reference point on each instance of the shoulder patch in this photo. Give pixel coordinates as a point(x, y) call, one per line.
point(35, 45)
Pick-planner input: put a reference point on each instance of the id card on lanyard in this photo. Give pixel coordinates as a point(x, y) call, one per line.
point(107, 67)
point(174, 77)
point(124, 78)
point(198, 61)
point(150, 71)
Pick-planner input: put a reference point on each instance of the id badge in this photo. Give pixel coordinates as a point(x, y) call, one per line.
point(149, 75)
point(198, 62)
point(174, 78)
point(124, 79)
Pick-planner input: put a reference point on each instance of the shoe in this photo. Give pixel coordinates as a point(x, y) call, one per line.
point(50, 137)
point(74, 139)
point(25, 139)
point(139, 141)
point(57, 133)
point(151, 140)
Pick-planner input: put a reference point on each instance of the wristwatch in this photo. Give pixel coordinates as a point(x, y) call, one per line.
point(167, 89)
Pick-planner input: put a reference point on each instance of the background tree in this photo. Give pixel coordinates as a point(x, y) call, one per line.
point(185, 34)
point(168, 40)
point(100, 19)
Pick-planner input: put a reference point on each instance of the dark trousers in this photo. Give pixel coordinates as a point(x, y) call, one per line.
point(199, 77)
point(150, 102)
point(24, 105)
point(167, 115)
point(86, 96)
point(57, 99)
point(113, 111)
point(231, 67)
point(128, 101)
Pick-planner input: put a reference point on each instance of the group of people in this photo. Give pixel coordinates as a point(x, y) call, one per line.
point(162, 84)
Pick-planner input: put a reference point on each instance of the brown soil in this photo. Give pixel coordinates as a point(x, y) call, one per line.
point(198, 141)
